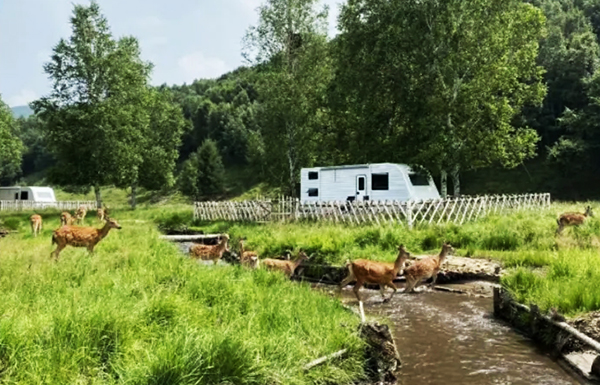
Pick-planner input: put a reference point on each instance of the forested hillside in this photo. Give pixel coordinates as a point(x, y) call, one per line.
point(503, 97)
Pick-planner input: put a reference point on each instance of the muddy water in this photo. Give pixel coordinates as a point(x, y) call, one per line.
point(447, 338)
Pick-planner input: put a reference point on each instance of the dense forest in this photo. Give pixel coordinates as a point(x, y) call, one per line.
point(503, 96)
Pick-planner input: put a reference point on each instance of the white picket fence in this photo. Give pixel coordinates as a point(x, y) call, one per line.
point(285, 209)
point(32, 206)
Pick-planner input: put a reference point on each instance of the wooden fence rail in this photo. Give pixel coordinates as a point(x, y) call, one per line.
point(31, 205)
point(285, 209)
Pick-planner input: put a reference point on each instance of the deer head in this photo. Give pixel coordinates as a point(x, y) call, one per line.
point(113, 224)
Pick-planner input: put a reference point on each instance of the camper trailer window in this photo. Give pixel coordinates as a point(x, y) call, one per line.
point(313, 192)
point(419, 180)
point(24, 195)
point(313, 175)
point(380, 181)
point(44, 195)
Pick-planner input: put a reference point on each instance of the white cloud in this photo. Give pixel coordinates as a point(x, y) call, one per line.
point(24, 97)
point(198, 66)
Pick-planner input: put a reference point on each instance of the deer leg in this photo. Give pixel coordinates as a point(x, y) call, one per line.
point(346, 281)
point(382, 290)
point(56, 252)
point(434, 279)
point(393, 287)
point(357, 287)
point(410, 285)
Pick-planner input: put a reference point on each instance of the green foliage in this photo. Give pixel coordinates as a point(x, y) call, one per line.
point(139, 312)
point(93, 115)
point(11, 147)
point(290, 39)
point(432, 101)
point(202, 176)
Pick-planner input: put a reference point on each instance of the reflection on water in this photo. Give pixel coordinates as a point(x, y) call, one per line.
point(446, 339)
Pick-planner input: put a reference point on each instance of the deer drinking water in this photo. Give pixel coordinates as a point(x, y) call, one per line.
point(81, 236)
point(287, 267)
point(425, 268)
point(210, 253)
point(573, 219)
point(36, 224)
point(382, 273)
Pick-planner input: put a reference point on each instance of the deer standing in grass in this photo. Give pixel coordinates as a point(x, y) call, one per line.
point(210, 252)
point(66, 219)
point(287, 267)
point(80, 214)
point(248, 258)
point(573, 219)
point(102, 213)
point(425, 269)
point(81, 236)
point(382, 273)
point(36, 224)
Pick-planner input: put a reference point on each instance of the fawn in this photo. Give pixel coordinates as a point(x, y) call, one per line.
point(209, 252)
point(36, 224)
point(573, 219)
point(287, 267)
point(425, 268)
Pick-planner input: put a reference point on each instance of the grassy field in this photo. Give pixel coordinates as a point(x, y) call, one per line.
point(137, 312)
point(561, 271)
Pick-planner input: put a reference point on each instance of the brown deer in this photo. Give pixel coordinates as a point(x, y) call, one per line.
point(248, 258)
point(287, 267)
point(573, 219)
point(382, 273)
point(210, 252)
point(80, 214)
point(36, 224)
point(66, 219)
point(425, 268)
point(102, 213)
point(81, 236)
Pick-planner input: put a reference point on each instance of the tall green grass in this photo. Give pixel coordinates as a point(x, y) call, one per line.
point(138, 312)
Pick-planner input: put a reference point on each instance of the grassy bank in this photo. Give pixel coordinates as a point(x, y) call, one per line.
point(139, 313)
point(561, 271)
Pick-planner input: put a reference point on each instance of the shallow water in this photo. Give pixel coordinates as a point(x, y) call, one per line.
point(446, 338)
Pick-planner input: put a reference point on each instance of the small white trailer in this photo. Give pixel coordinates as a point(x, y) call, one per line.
point(362, 182)
point(27, 193)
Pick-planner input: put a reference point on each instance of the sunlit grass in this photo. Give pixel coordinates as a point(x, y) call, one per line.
point(138, 312)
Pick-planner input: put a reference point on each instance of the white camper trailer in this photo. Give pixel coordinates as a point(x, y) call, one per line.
point(375, 182)
point(26, 193)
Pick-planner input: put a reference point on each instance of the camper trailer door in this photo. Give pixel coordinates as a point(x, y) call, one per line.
point(361, 187)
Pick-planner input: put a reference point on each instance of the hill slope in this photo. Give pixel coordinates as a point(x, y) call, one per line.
point(21, 111)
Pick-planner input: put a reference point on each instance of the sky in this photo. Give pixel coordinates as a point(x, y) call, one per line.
point(184, 39)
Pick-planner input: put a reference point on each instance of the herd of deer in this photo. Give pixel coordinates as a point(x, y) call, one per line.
point(68, 234)
point(246, 258)
point(361, 270)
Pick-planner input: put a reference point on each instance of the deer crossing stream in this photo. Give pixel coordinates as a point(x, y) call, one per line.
point(453, 339)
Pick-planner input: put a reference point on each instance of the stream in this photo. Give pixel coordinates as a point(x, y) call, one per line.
point(448, 338)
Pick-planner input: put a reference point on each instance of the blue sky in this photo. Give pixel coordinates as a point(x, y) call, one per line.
point(185, 39)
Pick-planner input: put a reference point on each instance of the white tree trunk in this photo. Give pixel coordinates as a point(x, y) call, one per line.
point(98, 196)
point(133, 195)
point(456, 180)
point(444, 183)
